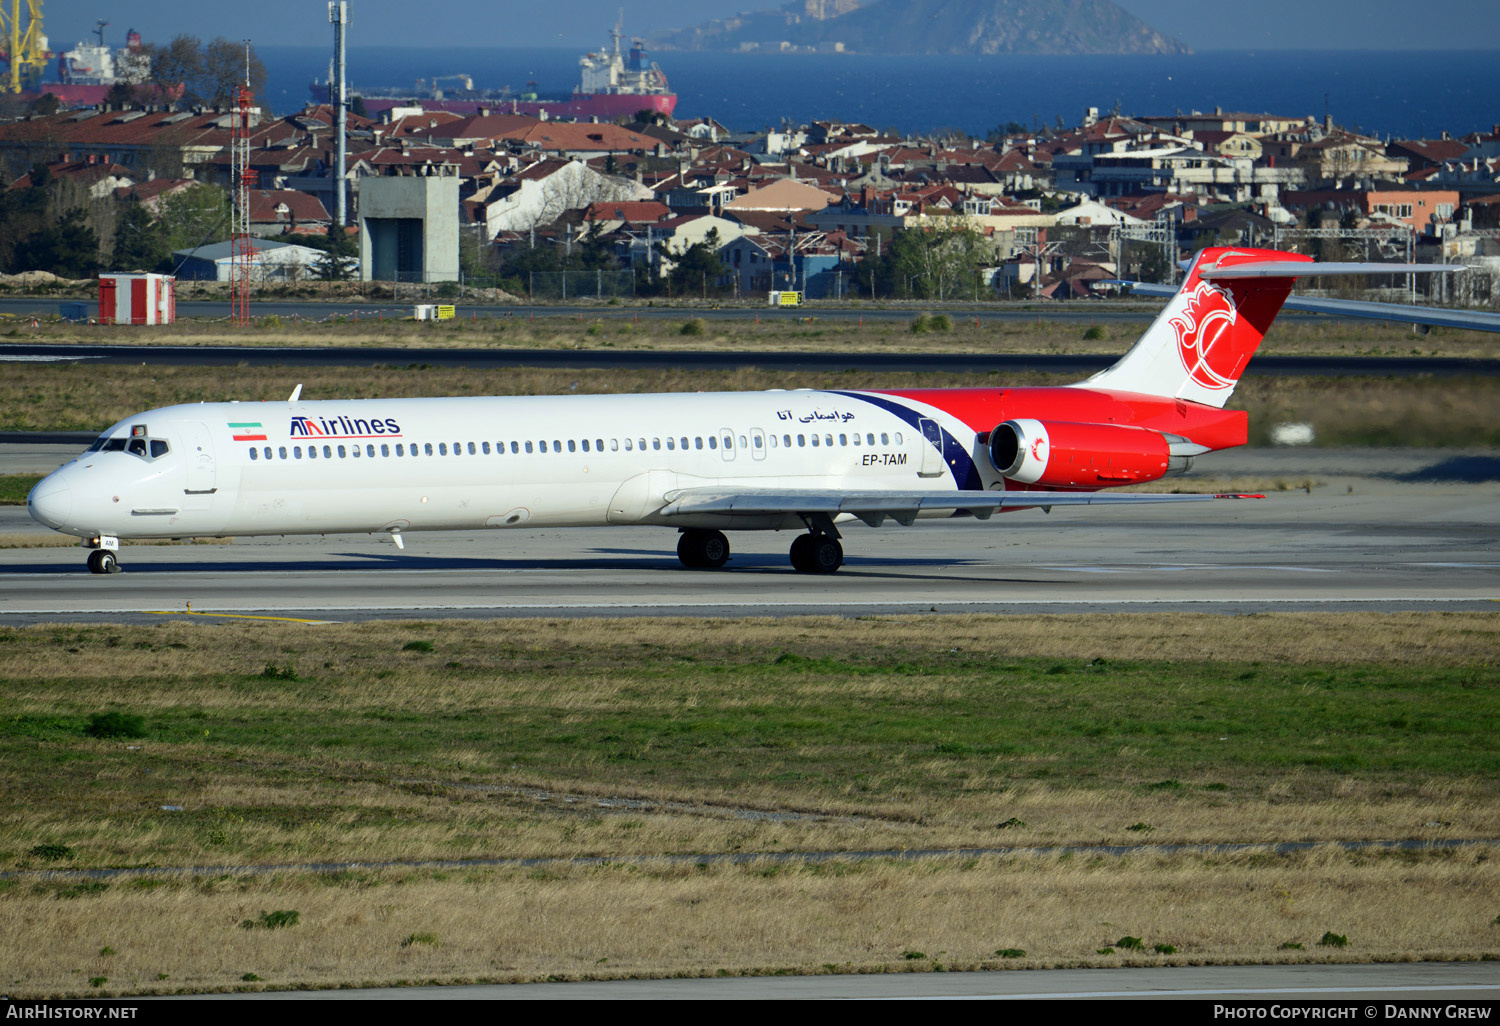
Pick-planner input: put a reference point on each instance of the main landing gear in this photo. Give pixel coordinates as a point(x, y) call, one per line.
point(817, 554)
point(707, 550)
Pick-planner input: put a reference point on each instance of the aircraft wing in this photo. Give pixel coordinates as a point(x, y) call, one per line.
point(874, 507)
point(1431, 315)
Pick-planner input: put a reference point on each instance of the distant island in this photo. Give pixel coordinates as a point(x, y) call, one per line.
point(896, 27)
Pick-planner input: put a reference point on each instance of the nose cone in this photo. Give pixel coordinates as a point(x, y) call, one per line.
point(50, 502)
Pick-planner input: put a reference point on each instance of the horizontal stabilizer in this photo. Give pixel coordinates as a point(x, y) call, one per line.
point(1301, 269)
point(1438, 317)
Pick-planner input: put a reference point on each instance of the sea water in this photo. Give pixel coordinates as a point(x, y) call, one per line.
point(1402, 95)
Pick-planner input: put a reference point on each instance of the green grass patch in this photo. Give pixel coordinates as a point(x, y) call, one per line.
point(15, 487)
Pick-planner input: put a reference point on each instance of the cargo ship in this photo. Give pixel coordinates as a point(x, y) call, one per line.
point(612, 85)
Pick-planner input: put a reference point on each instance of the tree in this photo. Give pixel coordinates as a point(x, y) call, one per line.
point(696, 269)
point(338, 249)
point(940, 258)
point(224, 71)
point(194, 217)
point(69, 249)
point(140, 241)
point(176, 68)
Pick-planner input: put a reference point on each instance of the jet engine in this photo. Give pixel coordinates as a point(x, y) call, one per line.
point(1061, 454)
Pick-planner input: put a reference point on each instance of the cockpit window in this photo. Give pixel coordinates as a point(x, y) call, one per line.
point(147, 449)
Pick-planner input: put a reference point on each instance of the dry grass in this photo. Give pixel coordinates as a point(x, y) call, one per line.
point(531, 738)
point(574, 923)
point(749, 329)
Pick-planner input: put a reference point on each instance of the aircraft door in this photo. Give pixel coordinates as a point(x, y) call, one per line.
point(201, 481)
point(932, 449)
point(726, 444)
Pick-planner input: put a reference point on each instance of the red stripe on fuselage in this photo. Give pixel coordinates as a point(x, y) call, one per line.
point(984, 408)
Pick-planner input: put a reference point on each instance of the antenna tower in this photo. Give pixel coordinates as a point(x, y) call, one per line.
point(242, 253)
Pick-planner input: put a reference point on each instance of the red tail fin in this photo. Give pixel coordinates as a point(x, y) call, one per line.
point(1198, 346)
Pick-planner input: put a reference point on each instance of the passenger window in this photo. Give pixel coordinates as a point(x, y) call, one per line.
point(556, 445)
point(870, 438)
point(614, 445)
point(855, 437)
point(801, 441)
point(400, 451)
point(297, 451)
point(585, 445)
point(628, 445)
point(786, 441)
point(516, 447)
point(815, 441)
point(885, 439)
point(643, 445)
point(898, 438)
point(742, 441)
point(684, 445)
point(528, 447)
point(671, 445)
point(342, 454)
point(254, 453)
point(598, 445)
point(656, 443)
point(828, 441)
point(572, 445)
point(843, 439)
point(485, 447)
point(385, 450)
point(327, 452)
point(542, 445)
point(713, 443)
point(442, 448)
point(757, 441)
point(312, 452)
point(268, 452)
point(281, 451)
point(158, 448)
point(471, 448)
point(354, 451)
point(427, 448)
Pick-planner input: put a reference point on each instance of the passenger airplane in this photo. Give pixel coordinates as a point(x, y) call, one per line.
point(702, 463)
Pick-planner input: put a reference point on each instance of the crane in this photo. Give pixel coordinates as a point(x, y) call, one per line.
point(24, 51)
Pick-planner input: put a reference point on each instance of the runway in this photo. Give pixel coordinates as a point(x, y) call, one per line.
point(1373, 529)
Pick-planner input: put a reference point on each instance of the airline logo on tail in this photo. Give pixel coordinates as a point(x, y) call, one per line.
point(1207, 319)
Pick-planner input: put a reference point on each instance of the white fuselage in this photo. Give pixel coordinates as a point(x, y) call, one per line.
point(437, 464)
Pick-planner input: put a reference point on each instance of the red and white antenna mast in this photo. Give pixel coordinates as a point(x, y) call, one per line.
point(242, 253)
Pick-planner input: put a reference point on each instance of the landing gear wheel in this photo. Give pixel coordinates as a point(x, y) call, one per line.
point(817, 554)
point(103, 561)
point(703, 549)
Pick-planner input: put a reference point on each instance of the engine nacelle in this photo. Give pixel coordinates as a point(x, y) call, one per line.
point(1061, 454)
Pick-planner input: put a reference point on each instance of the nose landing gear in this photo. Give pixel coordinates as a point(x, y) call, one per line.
point(103, 561)
point(105, 558)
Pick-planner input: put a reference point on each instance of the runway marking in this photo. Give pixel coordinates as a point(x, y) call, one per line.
point(234, 616)
point(1238, 991)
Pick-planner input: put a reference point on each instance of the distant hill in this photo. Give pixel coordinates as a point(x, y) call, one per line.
point(931, 27)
